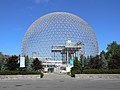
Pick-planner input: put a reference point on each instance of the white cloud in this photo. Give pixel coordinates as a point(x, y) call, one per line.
point(39, 1)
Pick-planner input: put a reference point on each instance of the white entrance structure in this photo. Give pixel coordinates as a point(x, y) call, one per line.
point(69, 52)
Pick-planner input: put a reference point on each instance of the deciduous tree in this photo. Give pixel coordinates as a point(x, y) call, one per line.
point(37, 65)
point(12, 63)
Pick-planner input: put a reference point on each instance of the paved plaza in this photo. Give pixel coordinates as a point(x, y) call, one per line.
point(59, 82)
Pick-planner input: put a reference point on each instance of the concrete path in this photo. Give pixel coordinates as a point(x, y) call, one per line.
point(53, 76)
point(59, 82)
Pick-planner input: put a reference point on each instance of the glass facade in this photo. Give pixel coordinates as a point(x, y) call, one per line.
point(54, 29)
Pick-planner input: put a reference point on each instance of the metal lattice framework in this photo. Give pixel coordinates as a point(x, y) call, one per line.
point(54, 29)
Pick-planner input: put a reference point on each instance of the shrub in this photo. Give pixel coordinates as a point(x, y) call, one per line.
point(73, 73)
point(100, 71)
point(9, 72)
point(21, 73)
point(41, 75)
point(69, 73)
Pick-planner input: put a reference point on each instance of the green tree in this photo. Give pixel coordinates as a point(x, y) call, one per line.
point(77, 67)
point(36, 64)
point(77, 63)
point(114, 63)
point(113, 55)
point(103, 53)
point(2, 58)
point(113, 48)
point(86, 60)
point(95, 62)
point(12, 63)
point(104, 60)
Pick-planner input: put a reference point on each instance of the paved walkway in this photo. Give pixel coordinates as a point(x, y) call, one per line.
point(59, 82)
point(53, 76)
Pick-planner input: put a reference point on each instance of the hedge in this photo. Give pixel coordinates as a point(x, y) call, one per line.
point(20, 73)
point(101, 71)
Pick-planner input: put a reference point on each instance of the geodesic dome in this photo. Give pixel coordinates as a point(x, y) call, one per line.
point(54, 29)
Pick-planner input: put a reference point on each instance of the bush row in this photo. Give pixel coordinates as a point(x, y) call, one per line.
point(20, 73)
point(100, 71)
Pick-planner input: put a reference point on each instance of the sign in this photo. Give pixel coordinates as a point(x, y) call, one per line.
point(71, 62)
point(22, 61)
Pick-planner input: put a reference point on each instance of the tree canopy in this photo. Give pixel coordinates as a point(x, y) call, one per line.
point(12, 63)
point(37, 65)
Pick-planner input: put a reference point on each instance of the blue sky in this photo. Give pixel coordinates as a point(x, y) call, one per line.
point(17, 15)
